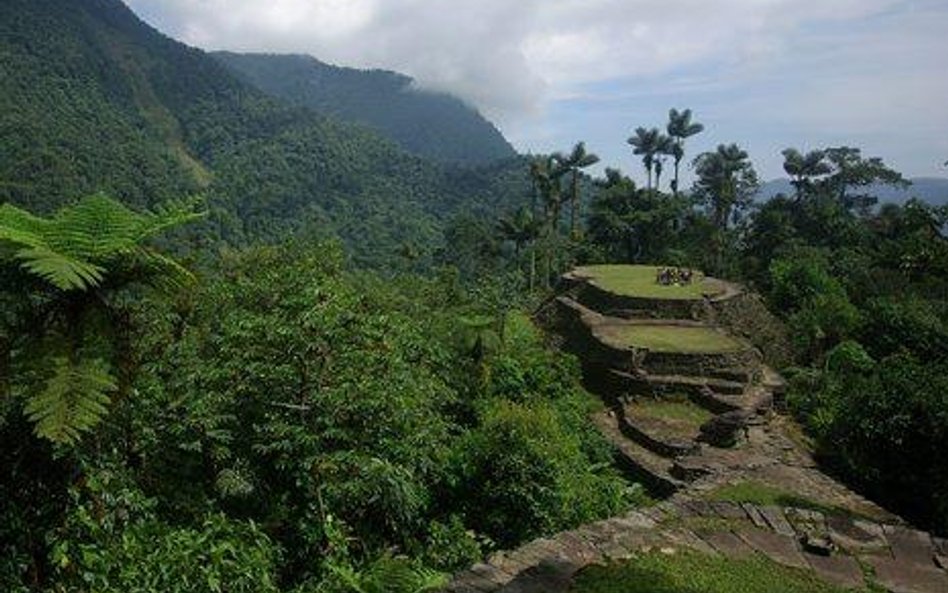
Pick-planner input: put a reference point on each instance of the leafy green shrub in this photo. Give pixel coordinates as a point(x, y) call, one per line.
point(524, 473)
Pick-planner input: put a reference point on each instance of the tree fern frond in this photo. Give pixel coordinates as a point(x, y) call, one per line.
point(73, 401)
point(163, 273)
point(60, 270)
point(172, 213)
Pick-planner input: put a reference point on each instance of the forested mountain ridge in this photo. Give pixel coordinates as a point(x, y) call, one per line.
point(430, 124)
point(95, 99)
point(933, 190)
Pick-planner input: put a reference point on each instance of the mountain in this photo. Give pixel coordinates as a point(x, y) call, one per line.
point(94, 99)
point(933, 190)
point(433, 125)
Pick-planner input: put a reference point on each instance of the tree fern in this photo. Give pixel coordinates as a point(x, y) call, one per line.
point(74, 249)
point(96, 243)
point(73, 401)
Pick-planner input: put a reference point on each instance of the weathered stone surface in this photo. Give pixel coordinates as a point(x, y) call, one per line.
point(689, 539)
point(818, 545)
point(855, 536)
point(779, 548)
point(490, 573)
point(911, 546)
point(727, 429)
point(728, 544)
point(754, 515)
point(900, 577)
point(839, 570)
point(576, 549)
point(774, 517)
point(728, 510)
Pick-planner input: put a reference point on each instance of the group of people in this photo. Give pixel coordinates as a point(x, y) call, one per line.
point(673, 276)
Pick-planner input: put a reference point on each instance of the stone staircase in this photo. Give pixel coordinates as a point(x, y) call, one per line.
point(683, 464)
point(844, 550)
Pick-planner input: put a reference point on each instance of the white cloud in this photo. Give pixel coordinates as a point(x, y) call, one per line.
point(834, 66)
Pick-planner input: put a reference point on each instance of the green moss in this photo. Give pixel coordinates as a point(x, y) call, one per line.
point(690, 572)
point(671, 338)
point(672, 409)
point(639, 281)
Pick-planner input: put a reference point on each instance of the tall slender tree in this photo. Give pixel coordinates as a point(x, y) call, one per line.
point(578, 159)
point(521, 229)
point(726, 181)
point(679, 128)
point(646, 143)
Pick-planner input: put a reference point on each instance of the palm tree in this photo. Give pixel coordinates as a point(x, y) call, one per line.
point(646, 143)
point(547, 174)
point(663, 147)
point(804, 167)
point(726, 180)
point(521, 229)
point(71, 265)
point(577, 159)
point(680, 127)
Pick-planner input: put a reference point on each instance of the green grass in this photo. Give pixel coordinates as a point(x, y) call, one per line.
point(681, 411)
point(691, 572)
point(671, 338)
point(762, 494)
point(639, 281)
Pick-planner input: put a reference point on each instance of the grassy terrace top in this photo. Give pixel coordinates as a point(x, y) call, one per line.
point(639, 281)
point(672, 338)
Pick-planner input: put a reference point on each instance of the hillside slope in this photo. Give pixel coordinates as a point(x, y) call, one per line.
point(434, 125)
point(94, 99)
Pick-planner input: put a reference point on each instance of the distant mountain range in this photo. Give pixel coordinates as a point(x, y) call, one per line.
point(93, 99)
point(933, 190)
point(433, 125)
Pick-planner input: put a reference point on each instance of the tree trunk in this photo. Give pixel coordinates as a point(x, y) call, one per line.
point(675, 185)
point(574, 206)
point(533, 266)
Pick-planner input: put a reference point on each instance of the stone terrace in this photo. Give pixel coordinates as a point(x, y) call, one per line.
point(684, 458)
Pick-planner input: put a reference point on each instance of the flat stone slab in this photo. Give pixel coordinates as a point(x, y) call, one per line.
point(728, 544)
point(774, 517)
point(900, 577)
point(839, 570)
point(911, 546)
point(779, 548)
point(852, 536)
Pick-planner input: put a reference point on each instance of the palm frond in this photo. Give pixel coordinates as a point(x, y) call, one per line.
point(73, 401)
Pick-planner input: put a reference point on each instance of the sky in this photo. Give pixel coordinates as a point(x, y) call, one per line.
point(766, 74)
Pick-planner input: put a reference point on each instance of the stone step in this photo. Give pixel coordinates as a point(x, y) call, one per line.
point(650, 436)
point(757, 399)
point(656, 384)
point(642, 465)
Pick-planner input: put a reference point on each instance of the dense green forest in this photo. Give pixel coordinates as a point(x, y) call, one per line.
point(320, 372)
point(95, 100)
point(432, 125)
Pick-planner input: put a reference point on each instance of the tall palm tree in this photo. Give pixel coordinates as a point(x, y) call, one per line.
point(71, 265)
point(578, 159)
point(804, 167)
point(521, 229)
point(646, 143)
point(726, 180)
point(664, 146)
point(680, 127)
